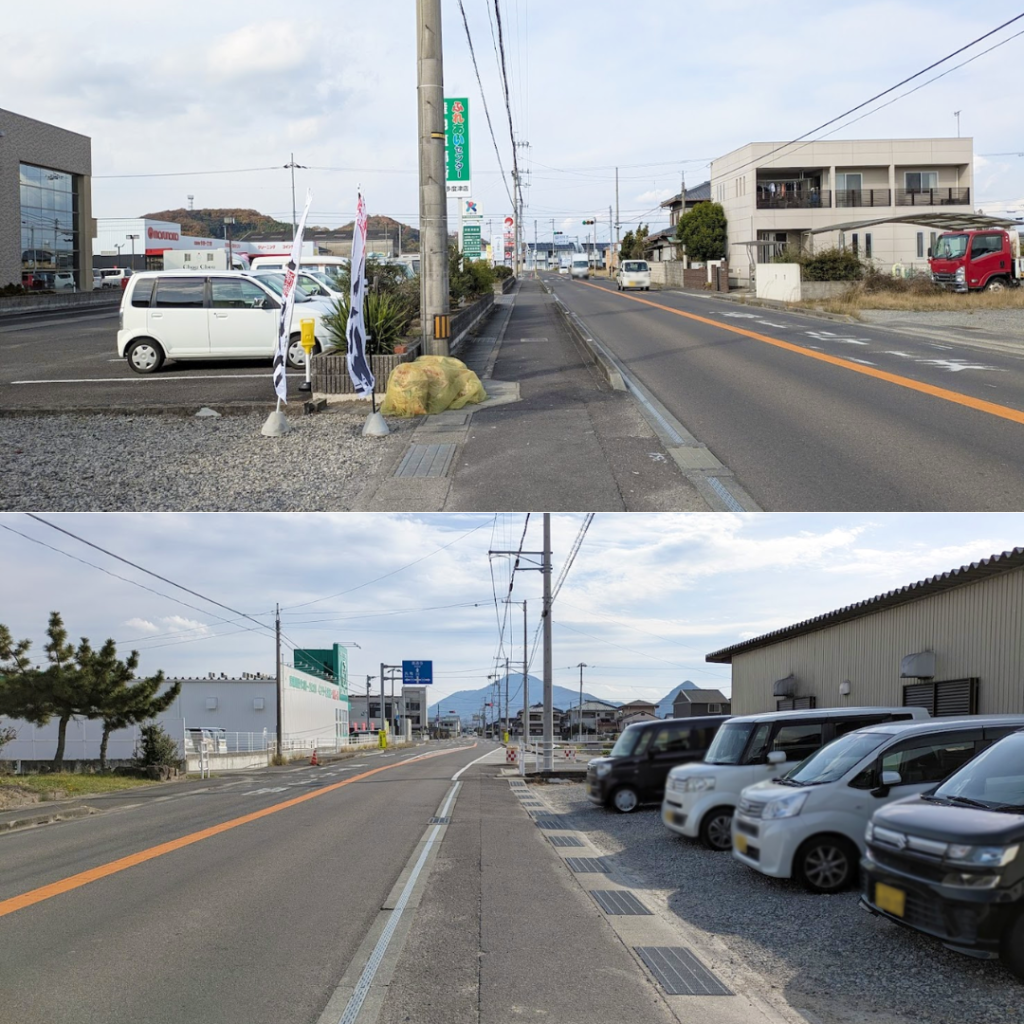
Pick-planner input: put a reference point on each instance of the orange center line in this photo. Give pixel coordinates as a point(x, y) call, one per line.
point(64, 885)
point(978, 404)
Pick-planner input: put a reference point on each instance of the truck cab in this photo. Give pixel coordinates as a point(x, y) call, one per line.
point(975, 260)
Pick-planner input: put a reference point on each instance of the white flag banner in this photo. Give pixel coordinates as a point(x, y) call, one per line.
point(284, 328)
point(355, 334)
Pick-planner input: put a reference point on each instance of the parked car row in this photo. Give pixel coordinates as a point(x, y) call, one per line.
point(928, 812)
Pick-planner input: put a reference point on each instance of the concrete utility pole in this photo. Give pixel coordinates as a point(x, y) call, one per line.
point(506, 695)
point(526, 696)
point(549, 718)
point(616, 209)
point(280, 692)
point(581, 666)
point(434, 304)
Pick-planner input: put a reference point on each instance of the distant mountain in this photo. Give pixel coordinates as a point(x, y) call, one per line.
point(467, 703)
point(665, 704)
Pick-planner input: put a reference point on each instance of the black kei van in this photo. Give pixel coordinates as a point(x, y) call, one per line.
point(635, 770)
point(950, 862)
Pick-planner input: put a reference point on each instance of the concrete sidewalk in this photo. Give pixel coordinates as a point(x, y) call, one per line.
point(553, 435)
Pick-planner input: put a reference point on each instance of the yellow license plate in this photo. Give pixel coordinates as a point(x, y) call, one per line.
point(740, 842)
point(891, 900)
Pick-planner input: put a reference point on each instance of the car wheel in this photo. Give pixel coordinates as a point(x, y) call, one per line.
point(144, 355)
point(716, 829)
point(997, 284)
point(297, 354)
point(826, 864)
point(625, 800)
point(1011, 947)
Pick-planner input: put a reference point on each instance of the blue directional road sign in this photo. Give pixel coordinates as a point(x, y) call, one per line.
point(417, 673)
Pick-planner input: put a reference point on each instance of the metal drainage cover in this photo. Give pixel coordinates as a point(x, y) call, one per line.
point(565, 841)
point(550, 823)
point(426, 460)
point(439, 821)
point(584, 865)
point(679, 972)
point(619, 901)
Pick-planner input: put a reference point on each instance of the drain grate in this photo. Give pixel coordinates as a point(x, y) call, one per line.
point(426, 460)
point(439, 821)
point(679, 972)
point(583, 865)
point(550, 823)
point(565, 841)
point(619, 901)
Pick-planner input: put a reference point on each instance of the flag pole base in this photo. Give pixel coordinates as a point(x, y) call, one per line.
point(276, 425)
point(306, 386)
point(375, 426)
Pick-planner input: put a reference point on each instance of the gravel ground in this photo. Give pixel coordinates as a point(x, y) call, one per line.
point(143, 463)
point(1008, 323)
point(823, 952)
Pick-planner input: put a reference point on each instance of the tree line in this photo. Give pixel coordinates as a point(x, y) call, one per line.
point(76, 682)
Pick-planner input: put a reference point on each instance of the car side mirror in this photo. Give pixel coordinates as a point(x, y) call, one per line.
point(891, 778)
point(929, 252)
point(776, 757)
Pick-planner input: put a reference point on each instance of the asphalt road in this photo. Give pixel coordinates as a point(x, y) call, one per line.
point(70, 361)
point(255, 923)
point(814, 415)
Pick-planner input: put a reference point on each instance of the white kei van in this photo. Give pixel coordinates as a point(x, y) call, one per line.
point(181, 314)
point(633, 274)
point(700, 798)
point(580, 266)
point(332, 265)
point(809, 823)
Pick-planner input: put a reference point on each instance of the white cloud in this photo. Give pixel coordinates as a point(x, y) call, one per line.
point(143, 624)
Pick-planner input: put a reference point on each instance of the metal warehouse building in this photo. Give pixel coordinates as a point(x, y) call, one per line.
point(952, 643)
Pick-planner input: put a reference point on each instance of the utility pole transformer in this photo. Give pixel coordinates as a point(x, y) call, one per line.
point(434, 303)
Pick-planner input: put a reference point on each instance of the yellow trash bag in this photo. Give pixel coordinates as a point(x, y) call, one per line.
point(431, 385)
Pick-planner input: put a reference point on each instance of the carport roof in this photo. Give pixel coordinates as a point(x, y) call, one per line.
point(940, 221)
point(996, 565)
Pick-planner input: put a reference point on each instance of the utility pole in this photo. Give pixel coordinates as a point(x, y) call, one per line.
point(611, 247)
point(549, 719)
point(369, 679)
point(526, 697)
point(581, 666)
point(552, 243)
point(280, 694)
point(506, 696)
point(434, 302)
point(292, 164)
point(616, 209)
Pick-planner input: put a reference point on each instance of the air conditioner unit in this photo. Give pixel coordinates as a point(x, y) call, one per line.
point(918, 666)
point(211, 703)
point(785, 687)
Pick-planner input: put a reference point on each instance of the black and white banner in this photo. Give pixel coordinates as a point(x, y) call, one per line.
point(284, 328)
point(355, 334)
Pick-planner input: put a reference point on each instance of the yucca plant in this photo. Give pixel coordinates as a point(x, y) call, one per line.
point(387, 318)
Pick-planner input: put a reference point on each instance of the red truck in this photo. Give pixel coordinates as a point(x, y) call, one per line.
point(975, 260)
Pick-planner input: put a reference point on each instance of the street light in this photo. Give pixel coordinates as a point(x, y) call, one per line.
point(132, 239)
point(228, 221)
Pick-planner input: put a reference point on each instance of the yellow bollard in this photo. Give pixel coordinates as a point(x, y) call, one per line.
point(308, 341)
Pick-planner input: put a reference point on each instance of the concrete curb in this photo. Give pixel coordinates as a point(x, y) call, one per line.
point(47, 817)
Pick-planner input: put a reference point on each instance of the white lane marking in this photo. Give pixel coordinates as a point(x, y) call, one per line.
point(902, 355)
point(865, 362)
point(778, 327)
point(355, 1004)
point(956, 365)
point(269, 789)
point(151, 379)
point(944, 348)
point(743, 316)
point(829, 336)
point(490, 753)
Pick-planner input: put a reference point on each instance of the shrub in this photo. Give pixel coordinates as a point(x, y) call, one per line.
point(501, 271)
point(387, 316)
point(914, 284)
point(703, 232)
point(467, 278)
point(827, 265)
point(157, 748)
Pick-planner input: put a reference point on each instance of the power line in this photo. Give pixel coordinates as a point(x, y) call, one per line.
point(572, 554)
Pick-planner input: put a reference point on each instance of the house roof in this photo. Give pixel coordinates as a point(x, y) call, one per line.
point(638, 704)
point(976, 572)
point(701, 696)
point(698, 194)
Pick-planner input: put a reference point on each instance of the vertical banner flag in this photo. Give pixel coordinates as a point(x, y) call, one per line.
point(456, 148)
point(355, 334)
point(284, 328)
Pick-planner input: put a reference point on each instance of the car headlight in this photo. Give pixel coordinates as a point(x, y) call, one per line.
point(698, 783)
point(601, 770)
point(784, 806)
point(869, 832)
point(982, 856)
point(961, 274)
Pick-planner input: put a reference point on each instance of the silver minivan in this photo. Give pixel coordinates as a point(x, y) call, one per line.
point(226, 315)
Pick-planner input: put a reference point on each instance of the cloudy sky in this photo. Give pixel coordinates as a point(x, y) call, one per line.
point(656, 87)
point(647, 597)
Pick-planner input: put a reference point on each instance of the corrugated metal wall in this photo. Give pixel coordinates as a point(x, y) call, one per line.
point(977, 630)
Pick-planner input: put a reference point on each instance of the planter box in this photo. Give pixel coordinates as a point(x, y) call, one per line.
point(329, 371)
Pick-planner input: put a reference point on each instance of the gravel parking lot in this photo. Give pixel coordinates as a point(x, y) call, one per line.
point(150, 463)
point(823, 952)
point(1006, 323)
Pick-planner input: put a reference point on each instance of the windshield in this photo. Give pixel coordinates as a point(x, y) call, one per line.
point(949, 247)
point(325, 279)
point(275, 282)
point(835, 759)
point(729, 743)
point(626, 742)
point(634, 266)
point(995, 778)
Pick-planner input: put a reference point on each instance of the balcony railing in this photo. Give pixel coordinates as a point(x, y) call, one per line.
point(933, 197)
point(794, 199)
point(863, 197)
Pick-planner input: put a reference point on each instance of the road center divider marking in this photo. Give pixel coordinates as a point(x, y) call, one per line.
point(978, 404)
point(46, 892)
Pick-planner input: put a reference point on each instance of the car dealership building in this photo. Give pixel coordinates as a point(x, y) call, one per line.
point(45, 201)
